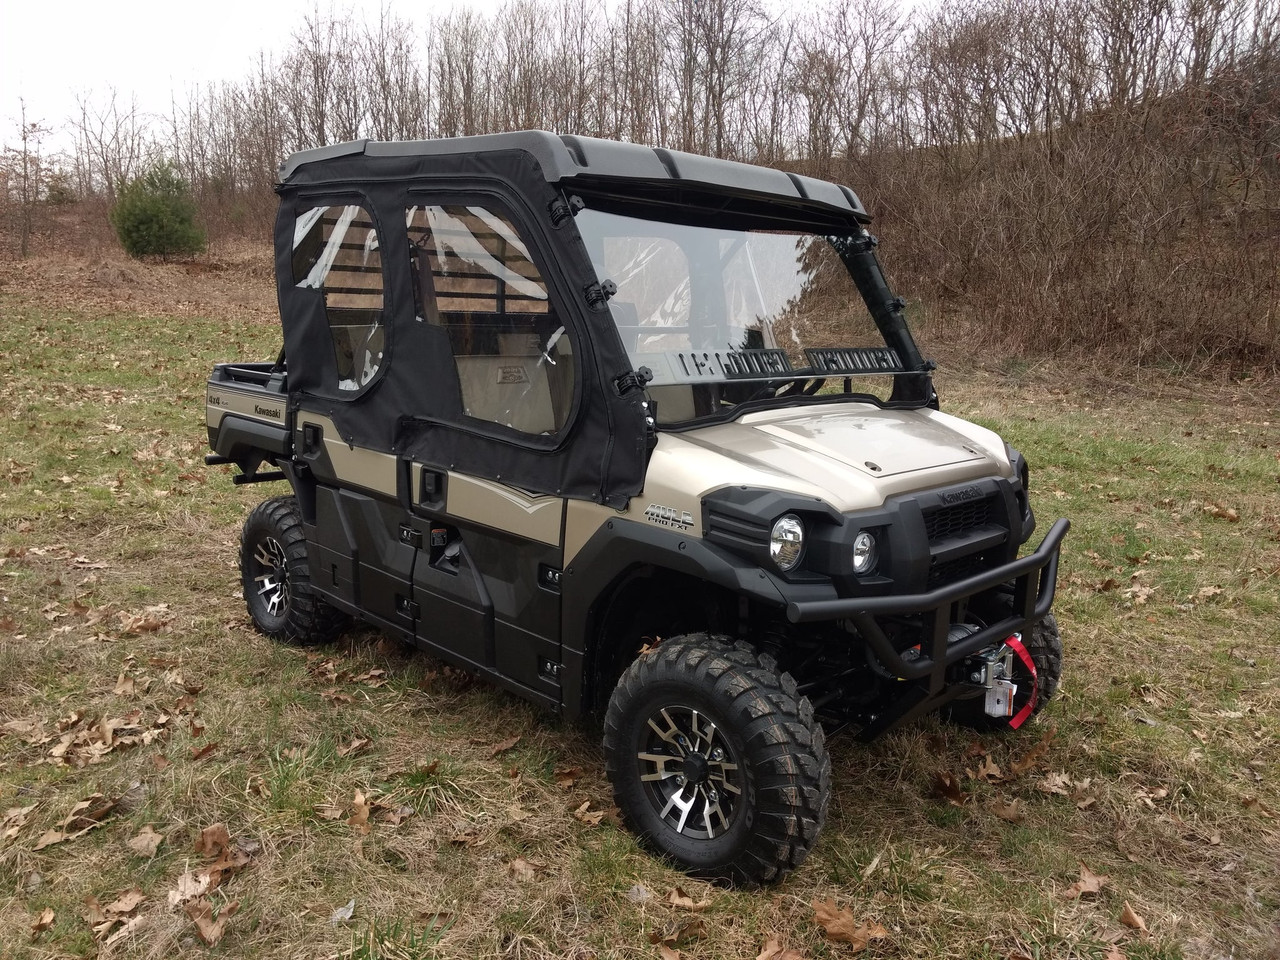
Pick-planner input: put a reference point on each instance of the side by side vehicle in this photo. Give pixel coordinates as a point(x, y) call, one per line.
point(639, 434)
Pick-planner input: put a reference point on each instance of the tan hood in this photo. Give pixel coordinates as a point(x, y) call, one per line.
point(850, 456)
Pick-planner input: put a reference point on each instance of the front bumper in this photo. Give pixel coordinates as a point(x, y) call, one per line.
point(1034, 580)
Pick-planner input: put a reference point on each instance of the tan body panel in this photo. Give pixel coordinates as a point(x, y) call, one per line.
point(357, 466)
point(491, 504)
point(817, 452)
point(252, 403)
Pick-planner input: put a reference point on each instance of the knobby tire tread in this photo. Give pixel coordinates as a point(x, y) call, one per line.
point(783, 743)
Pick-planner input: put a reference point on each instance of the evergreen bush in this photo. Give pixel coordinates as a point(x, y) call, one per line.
point(155, 214)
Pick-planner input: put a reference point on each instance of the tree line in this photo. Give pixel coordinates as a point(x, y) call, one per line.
point(1057, 175)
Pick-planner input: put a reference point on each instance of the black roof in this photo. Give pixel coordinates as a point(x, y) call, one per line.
point(589, 159)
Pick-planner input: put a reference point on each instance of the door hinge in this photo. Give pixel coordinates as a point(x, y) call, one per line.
point(411, 536)
point(406, 608)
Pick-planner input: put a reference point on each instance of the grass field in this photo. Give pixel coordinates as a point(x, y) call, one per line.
point(140, 711)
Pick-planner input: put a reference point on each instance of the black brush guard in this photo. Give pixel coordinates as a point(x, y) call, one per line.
point(1034, 579)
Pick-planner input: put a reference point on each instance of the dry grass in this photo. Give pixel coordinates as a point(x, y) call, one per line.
point(117, 561)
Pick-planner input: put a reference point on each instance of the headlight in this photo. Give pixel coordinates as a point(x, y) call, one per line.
point(786, 542)
point(865, 552)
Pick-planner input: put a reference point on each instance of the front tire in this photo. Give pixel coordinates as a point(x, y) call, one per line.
point(716, 761)
point(276, 577)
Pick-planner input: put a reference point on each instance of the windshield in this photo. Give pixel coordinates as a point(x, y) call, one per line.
point(698, 305)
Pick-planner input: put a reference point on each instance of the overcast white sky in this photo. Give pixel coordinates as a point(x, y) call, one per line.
point(51, 51)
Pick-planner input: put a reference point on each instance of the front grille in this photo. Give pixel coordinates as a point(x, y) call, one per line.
point(941, 574)
point(949, 526)
point(955, 521)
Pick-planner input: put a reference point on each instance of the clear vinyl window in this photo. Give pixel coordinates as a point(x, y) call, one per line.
point(475, 277)
point(336, 251)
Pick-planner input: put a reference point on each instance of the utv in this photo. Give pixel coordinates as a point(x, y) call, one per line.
point(636, 433)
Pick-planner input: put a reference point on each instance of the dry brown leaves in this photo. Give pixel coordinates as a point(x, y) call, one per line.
point(567, 777)
point(1033, 757)
point(209, 928)
point(523, 869)
point(79, 742)
point(43, 922)
point(363, 811)
point(772, 949)
point(13, 821)
point(503, 746)
point(679, 930)
point(946, 786)
point(838, 925)
point(1255, 805)
point(230, 857)
point(103, 920)
point(89, 814)
point(678, 898)
point(146, 842)
point(1089, 883)
point(1130, 918)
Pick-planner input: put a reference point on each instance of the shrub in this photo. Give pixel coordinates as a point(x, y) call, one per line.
point(156, 215)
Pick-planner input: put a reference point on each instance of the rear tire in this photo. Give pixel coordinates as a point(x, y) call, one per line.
point(276, 577)
point(716, 761)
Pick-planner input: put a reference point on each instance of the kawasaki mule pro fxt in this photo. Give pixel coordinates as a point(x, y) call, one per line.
point(639, 433)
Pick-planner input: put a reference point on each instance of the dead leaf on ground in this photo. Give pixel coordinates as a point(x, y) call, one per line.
point(469, 837)
point(42, 922)
point(523, 869)
point(359, 819)
point(198, 754)
point(945, 785)
point(839, 925)
point(127, 902)
point(328, 811)
point(584, 814)
point(357, 745)
point(1130, 918)
point(190, 885)
point(131, 926)
point(213, 840)
point(678, 931)
point(1257, 806)
point(1031, 759)
point(667, 953)
point(146, 842)
point(986, 772)
point(13, 821)
point(678, 898)
point(1089, 883)
point(86, 815)
point(124, 685)
point(1011, 811)
point(503, 746)
point(1218, 511)
point(773, 950)
point(566, 777)
point(209, 928)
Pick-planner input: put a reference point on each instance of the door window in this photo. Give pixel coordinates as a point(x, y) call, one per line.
point(336, 251)
point(476, 278)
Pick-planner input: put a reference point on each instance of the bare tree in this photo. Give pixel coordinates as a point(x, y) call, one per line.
point(115, 141)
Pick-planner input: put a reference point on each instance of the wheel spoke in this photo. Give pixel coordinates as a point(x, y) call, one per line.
point(671, 735)
point(660, 761)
